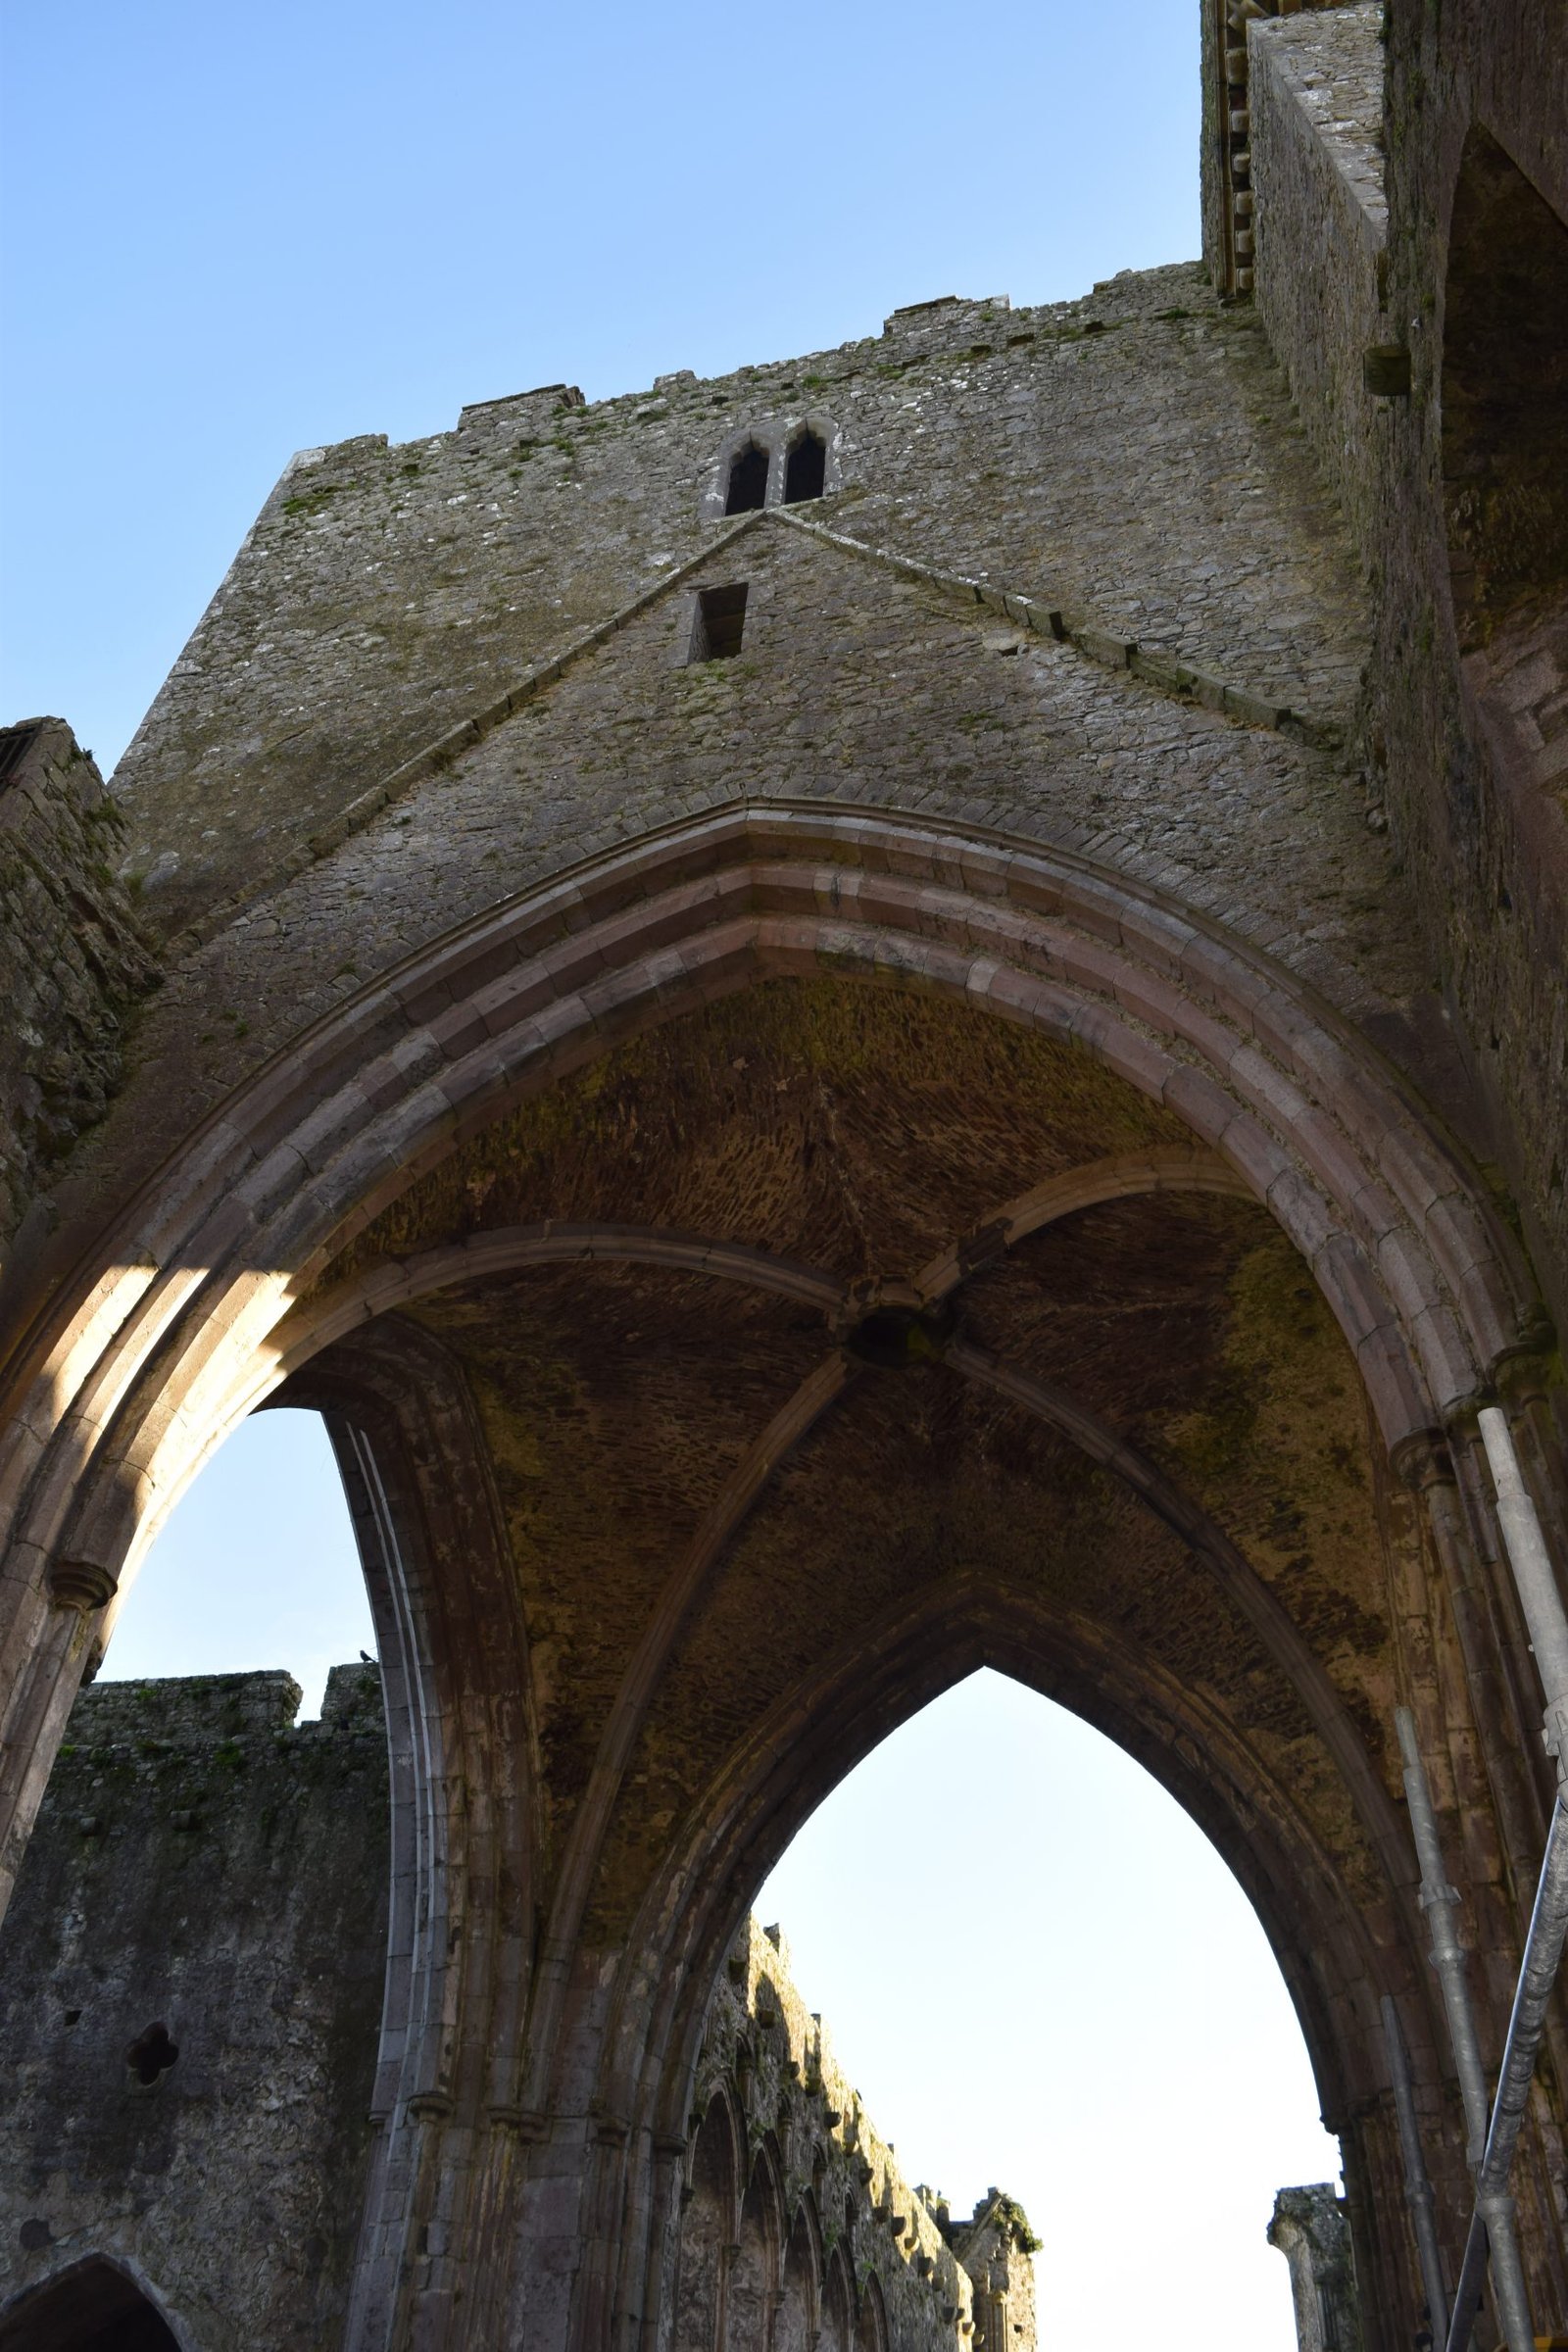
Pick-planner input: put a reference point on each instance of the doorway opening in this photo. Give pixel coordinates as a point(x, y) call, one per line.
point(93, 2307)
point(1047, 1987)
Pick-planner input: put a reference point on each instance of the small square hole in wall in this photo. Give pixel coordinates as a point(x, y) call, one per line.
point(717, 623)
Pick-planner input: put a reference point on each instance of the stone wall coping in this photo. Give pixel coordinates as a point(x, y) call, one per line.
point(200, 1709)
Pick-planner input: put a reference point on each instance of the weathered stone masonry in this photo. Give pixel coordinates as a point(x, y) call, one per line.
point(73, 961)
point(204, 1866)
point(209, 1881)
point(1011, 1117)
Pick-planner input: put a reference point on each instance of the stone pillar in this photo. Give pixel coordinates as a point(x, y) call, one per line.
point(1310, 2231)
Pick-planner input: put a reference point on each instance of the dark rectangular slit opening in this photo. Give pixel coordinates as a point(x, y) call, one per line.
point(717, 623)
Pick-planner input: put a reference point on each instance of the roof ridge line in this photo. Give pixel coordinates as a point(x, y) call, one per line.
point(1157, 669)
point(437, 754)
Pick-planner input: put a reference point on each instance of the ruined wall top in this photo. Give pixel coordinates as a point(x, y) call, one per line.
point(1116, 456)
point(206, 1866)
point(1226, 172)
point(943, 2283)
point(189, 2001)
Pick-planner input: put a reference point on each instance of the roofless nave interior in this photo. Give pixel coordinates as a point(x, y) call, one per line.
point(1015, 1119)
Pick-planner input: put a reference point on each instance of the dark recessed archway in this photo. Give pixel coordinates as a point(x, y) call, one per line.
point(806, 470)
point(748, 480)
point(93, 2307)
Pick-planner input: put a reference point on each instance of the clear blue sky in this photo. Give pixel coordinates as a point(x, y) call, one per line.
point(235, 231)
point(232, 232)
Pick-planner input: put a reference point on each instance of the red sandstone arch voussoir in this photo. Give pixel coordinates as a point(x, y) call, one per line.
point(143, 1366)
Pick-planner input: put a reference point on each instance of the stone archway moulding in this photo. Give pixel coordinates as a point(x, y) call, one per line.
point(175, 1326)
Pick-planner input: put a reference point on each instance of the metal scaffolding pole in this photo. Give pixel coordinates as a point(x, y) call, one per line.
point(1417, 2186)
point(1548, 1622)
point(1548, 1928)
point(1534, 1579)
point(1441, 1903)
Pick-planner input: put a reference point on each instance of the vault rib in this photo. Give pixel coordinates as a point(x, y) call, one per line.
point(1160, 1168)
point(1233, 1572)
point(317, 1323)
point(639, 1685)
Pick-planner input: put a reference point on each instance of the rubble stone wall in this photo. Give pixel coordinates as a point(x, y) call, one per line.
point(1085, 453)
point(1075, 697)
point(204, 1865)
point(845, 2236)
point(1476, 759)
point(73, 958)
point(1320, 225)
point(204, 1899)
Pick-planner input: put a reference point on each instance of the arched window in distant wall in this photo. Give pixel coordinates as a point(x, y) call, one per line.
point(705, 2232)
point(93, 2307)
point(753, 2270)
point(748, 480)
point(806, 470)
point(838, 2305)
point(871, 2329)
point(794, 2328)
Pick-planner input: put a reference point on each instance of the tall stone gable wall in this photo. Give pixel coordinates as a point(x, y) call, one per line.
point(1077, 579)
point(1084, 452)
point(1150, 577)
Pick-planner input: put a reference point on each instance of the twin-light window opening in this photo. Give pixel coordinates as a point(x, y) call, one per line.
point(719, 615)
point(805, 474)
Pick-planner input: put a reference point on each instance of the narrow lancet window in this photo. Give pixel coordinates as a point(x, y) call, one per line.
point(807, 470)
point(748, 480)
point(717, 623)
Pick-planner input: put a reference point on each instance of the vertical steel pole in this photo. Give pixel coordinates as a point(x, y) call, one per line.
point(1417, 2186)
point(1543, 1948)
point(1533, 1577)
point(1545, 1615)
point(1441, 1903)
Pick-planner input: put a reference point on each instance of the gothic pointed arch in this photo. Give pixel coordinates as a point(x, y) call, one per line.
point(838, 2302)
point(805, 467)
point(1065, 1079)
point(93, 2306)
point(709, 2222)
point(745, 489)
point(757, 2265)
point(871, 2321)
point(800, 2310)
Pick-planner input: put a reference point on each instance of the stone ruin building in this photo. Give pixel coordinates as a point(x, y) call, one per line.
point(903, 1010)
point(206, 1866)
